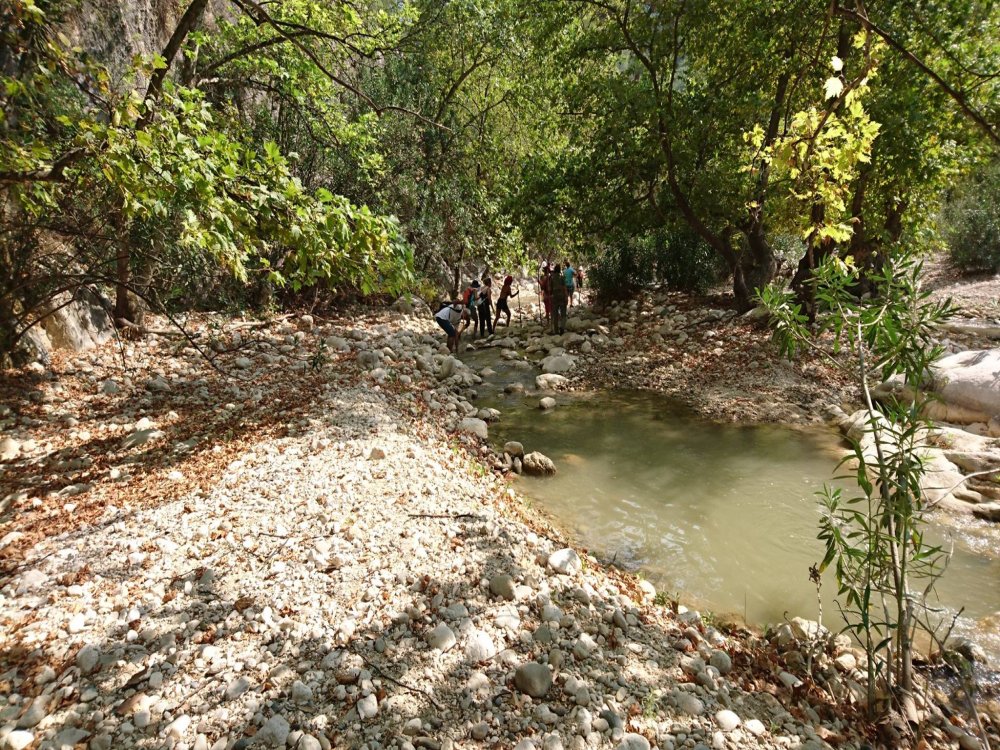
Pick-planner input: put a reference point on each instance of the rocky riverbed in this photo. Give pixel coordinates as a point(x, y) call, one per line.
point(300, 544)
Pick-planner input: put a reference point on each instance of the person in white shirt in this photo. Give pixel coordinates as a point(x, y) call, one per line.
point(448, 317)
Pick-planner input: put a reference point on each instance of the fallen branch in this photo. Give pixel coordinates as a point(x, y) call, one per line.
point(374, 667)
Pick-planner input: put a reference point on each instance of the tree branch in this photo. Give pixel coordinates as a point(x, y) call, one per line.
point(861, 16)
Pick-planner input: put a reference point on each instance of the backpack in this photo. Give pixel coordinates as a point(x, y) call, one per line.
point(467, 296)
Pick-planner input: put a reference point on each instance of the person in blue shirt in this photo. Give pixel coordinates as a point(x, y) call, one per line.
point(569, 277)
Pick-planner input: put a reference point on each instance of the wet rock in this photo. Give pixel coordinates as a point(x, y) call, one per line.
point(538, 464)
point(533, 679)
point(547, 403)
point(550, 382)
point(514, 448)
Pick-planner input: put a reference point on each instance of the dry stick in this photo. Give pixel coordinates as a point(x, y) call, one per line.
point(446, 515)
point(403, 685)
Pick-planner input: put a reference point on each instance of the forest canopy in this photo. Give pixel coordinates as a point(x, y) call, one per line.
point(374, 148)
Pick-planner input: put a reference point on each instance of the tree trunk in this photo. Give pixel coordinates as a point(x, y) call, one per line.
point(124, 307)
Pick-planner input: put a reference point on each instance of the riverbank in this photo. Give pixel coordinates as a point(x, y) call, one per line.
point(305, 548)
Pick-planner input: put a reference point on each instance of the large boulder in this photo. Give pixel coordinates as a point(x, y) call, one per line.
point(968, 384)
point(410, 304)
point(74, 323)
point(474, 426)
point(551, 382)
point(538, 464)
point(558, 363)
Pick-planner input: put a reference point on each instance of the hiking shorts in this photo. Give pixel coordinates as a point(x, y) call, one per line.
point(447, 326)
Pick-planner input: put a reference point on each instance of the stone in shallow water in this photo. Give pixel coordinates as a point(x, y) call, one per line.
point(538, 464)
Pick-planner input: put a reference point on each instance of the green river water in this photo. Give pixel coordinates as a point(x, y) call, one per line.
point(724, 516)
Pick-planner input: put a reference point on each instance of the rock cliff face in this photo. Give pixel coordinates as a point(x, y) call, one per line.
point(113, 31)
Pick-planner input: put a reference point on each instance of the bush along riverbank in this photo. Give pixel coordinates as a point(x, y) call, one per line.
point(301, 545)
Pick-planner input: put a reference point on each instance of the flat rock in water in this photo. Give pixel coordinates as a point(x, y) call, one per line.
point(547, 403)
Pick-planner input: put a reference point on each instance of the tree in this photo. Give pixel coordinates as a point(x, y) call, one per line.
point(87, 170)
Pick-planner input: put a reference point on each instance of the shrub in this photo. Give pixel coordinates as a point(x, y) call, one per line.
point(971, 222)
point(676, 257)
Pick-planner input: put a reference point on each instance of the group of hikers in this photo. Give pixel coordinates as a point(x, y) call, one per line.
point(476, 307)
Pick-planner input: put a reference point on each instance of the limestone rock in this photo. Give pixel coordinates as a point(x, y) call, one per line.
point(441, 637)
point(565, 561)
point(551, 382)
point(533, 679)
point(273, 733)
point(558, 363)
point(538, 464)
point(514, 448)
point(474, 426)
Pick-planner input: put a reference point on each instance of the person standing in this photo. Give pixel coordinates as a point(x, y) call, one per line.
point(486, 307)
point(502, 306)
point(470, 298)
point(557, 284)
point(569, 276)
point(545, 285)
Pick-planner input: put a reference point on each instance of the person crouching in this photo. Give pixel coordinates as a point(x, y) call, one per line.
point(448, 317)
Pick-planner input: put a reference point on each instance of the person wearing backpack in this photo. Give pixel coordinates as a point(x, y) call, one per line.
point(470, 298)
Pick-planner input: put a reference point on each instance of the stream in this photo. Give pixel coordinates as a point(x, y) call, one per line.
point(722, 516)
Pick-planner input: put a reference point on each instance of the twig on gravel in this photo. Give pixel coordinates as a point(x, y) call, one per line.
point(403, 685)
point(448, 515)
point(26, 564)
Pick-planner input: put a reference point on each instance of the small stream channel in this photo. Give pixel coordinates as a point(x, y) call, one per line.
point(724, 516)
